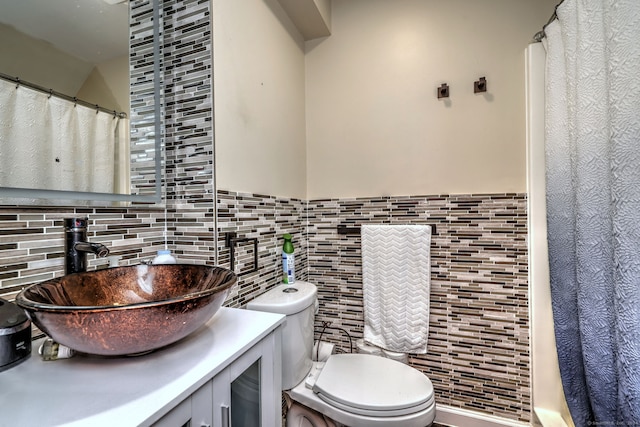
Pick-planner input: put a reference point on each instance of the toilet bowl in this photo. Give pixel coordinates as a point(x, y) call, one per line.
point(356, 390)
point(361, 390)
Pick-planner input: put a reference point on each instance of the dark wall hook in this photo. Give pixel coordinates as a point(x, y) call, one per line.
point(480, 85)
point(443, 91)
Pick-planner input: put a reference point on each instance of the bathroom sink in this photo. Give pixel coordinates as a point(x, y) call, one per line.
point(127, 310)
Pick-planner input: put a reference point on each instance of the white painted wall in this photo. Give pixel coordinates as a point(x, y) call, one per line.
point(108, 84)
point(259, 99)
point(358, 114)
point(324, 8)
point(39, 62)
point(374, 124)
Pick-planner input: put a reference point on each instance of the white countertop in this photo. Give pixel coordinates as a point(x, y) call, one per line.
point(96, 391)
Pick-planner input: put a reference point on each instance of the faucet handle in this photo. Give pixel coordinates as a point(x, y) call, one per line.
point(75, 224)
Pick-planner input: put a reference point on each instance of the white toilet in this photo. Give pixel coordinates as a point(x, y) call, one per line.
point(356, 390)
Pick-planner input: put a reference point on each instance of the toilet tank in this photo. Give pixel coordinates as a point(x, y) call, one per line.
point(298, 302)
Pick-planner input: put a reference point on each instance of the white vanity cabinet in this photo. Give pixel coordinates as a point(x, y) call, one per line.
point(195, 411)
point(245, 393)
point(248, 392)
point(191, 383)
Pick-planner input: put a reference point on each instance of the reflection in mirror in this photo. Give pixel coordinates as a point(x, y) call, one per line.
point(68, 130)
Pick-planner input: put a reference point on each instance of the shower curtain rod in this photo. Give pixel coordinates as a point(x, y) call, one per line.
point(51, 92)
point(541, 34)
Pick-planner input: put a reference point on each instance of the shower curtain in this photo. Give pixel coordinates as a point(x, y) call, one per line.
point(50, 143)
point(593, 205)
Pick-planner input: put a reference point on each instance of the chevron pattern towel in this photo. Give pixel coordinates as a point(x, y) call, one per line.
point(396, 275)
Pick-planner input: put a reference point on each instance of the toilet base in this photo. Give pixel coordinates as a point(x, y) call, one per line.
point(304, 396)
point(301, 416)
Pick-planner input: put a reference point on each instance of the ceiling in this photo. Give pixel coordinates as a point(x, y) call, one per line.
point(92, 30)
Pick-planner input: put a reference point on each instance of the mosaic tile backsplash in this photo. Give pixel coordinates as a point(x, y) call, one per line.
point(478, 346)
point(32, 240)
point(266, 218)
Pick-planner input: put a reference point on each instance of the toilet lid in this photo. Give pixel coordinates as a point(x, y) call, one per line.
point(373, 385)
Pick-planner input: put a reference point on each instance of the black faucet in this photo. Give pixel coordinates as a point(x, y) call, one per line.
point(76, 246)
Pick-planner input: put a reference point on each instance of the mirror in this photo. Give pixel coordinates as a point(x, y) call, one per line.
point(80, 116)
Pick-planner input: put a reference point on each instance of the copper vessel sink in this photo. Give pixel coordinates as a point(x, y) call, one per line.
point(127, 310)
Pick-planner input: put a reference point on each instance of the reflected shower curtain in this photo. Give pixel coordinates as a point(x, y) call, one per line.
point(593, 205)
point(50, 143)
point(122, 170)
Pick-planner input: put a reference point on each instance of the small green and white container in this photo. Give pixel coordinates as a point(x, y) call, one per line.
point(288, 261)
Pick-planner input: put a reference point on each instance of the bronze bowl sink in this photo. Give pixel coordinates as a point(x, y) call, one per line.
point(127, 310)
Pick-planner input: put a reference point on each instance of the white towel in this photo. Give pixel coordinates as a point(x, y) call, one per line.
point(396, 277)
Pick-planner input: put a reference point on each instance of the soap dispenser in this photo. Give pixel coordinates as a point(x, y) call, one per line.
point(164, 257)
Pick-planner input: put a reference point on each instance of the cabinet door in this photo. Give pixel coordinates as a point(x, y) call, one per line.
point(194, 411)
point(180, 416)
point(201, 413)
point(248, 392)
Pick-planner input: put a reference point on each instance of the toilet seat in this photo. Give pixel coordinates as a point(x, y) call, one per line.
point(374, 386)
